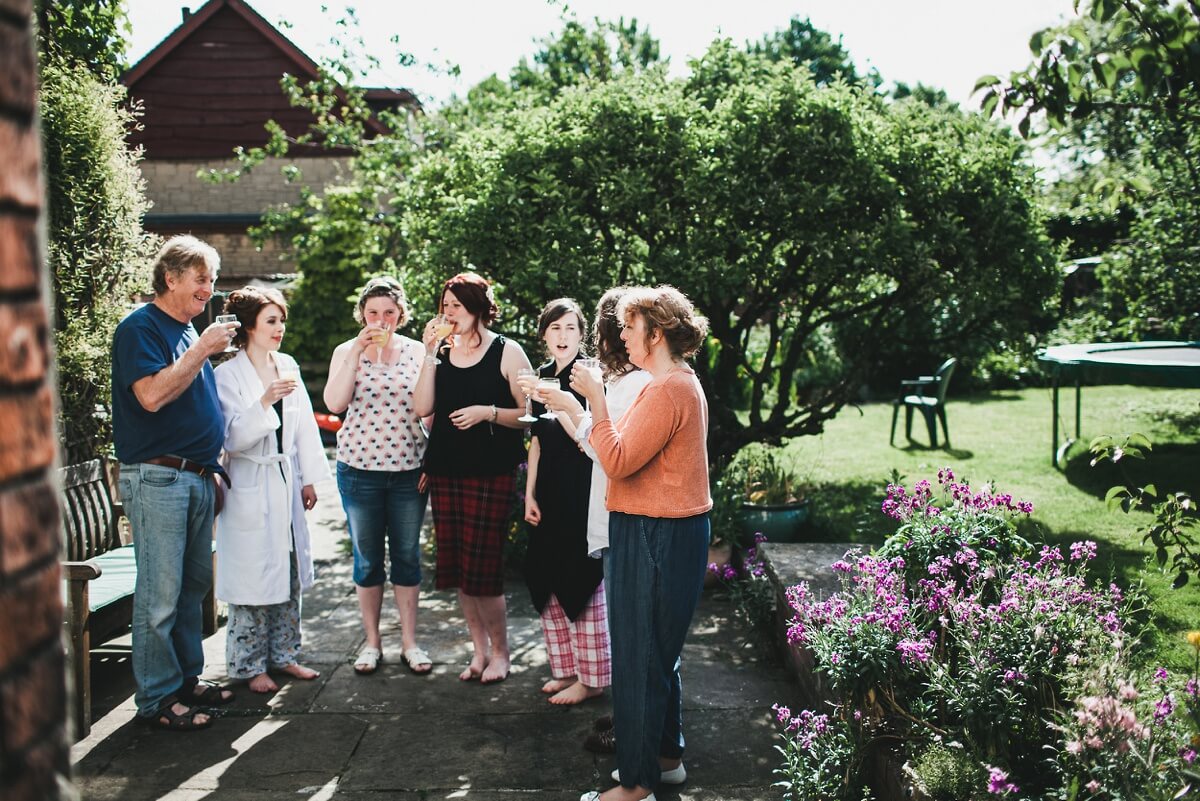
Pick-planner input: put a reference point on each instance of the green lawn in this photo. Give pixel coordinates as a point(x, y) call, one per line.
point(1005, 437)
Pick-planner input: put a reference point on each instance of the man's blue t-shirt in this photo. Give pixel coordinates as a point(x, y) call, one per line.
point(190, 426)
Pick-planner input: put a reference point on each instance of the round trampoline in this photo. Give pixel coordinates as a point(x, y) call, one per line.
point(1157, 364)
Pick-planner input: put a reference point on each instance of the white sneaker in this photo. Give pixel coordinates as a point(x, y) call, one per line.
point(673, 776)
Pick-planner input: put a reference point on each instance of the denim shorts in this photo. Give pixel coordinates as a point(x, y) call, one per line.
point(383, 505)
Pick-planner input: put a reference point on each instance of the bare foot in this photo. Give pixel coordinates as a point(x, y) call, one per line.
point(474, 670)
point(576, 693)
point(497, 670)
point(262, 683)
point(557, 685)
point(300, 671)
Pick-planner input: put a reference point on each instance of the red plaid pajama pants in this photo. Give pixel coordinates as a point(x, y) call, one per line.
point(470, 520)
point(580, 648)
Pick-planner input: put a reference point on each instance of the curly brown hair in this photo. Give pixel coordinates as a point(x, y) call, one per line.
point(246, 303)
point(664, 308)
point(606, 334)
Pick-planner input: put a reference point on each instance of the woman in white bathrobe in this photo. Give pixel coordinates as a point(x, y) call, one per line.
point(273, 455)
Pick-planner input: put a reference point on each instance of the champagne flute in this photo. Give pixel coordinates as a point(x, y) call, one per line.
point(228, 318)
point(545, 384)
point(442, 328)
point(380, 337)
point(593, 366)
point(523, 377)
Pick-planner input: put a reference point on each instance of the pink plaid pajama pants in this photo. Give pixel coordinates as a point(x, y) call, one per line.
point(581, 648)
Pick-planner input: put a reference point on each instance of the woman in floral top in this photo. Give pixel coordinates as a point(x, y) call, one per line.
point(380, 448)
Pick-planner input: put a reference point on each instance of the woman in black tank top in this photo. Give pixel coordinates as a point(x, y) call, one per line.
point(469, 385)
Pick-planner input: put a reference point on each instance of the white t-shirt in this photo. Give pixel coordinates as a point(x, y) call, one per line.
point(619, 395)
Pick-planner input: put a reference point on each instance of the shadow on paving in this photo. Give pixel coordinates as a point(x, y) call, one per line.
point(398, 735)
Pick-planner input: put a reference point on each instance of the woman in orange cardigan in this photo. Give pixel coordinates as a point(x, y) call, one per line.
point(656, 459)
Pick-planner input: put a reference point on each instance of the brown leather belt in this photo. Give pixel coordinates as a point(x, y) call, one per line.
point(180, 464)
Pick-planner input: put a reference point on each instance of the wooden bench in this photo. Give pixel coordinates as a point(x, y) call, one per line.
point(100, 573)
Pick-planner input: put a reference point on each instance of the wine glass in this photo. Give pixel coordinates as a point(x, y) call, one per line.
point(442, 328)
point(546, 384)
point(594, 366)
point(523, 378)
point(380, 337)
point(228, 318)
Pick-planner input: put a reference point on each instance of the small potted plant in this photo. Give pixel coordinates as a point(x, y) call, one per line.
point(775, 497)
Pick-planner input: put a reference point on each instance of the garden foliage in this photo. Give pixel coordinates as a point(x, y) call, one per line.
point(97, 252)
point(984, 660)
point(816, 226)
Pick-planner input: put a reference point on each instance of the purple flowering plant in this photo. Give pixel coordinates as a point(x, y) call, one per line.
point(748, 586)
point(958, 629)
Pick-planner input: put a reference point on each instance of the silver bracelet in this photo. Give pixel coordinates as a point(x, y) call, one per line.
point(432, 360)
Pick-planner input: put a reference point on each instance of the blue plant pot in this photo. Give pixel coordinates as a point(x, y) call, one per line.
point(779, 523)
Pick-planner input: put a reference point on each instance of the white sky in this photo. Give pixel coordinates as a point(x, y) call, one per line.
point(942, 43)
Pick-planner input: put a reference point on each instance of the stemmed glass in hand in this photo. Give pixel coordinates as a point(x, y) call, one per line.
point(526, 377)
point(225, 319)
point(594, 366)
point(442, 328)
point(548, 384)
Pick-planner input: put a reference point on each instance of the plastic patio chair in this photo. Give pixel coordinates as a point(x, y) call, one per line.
point(931, 404)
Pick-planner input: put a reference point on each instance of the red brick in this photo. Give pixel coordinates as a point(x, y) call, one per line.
point(19, 8)
point(16, 70)
point(40, 775)
point(33, 615)
point(27, 440)
point(23, 340)
point(33, 701)
point(28, 526)
point(18, 254)
point(21, 181)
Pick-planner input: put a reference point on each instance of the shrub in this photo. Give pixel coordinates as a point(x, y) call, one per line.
point(96, 248)
point(958, 631)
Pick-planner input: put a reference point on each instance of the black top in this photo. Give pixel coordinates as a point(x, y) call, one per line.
point(484, 449)
point(557, 560)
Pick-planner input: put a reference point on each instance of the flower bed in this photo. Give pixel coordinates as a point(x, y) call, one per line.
point(992, 667)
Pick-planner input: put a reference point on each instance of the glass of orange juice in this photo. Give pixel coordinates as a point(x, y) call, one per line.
point(381, 337)
point(442, 328)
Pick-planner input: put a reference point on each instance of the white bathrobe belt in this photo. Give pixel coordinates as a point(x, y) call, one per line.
point(275, 458)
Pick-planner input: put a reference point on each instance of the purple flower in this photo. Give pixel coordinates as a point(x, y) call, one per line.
point(1083, 551)
point(998, 783)
point(1164, 708)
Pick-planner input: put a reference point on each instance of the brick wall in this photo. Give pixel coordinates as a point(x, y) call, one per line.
point(33, 749)
point(174, 188)
point(241, 260)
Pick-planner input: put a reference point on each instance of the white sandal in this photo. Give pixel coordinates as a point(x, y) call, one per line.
point(368, 661)
point(415, 657)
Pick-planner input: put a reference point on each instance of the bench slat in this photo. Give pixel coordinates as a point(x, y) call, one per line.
point(117, 578)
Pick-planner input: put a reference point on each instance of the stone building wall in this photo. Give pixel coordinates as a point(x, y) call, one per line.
point(184, 203)
point(174, 188)
point(33, 749)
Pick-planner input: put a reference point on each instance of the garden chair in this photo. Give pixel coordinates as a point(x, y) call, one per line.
point(931, 404)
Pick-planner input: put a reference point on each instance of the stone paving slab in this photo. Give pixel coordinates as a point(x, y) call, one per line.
point(396, 735)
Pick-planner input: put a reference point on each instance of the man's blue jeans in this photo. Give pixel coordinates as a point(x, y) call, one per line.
point(171, 513)
point(656, 574)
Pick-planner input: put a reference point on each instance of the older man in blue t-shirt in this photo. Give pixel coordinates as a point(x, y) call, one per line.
point(168, 431)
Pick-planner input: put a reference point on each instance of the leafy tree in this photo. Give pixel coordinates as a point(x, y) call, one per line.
point(96, 250)
point(784, 209)
point(804, 44)
point(91, 33)
point(579, 54)
point(1120, 86)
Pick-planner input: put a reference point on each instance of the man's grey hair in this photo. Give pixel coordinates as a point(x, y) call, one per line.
point(180, 254)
